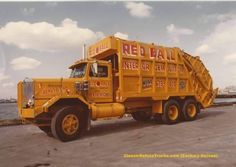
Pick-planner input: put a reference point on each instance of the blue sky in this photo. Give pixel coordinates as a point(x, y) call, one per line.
point(41, 39)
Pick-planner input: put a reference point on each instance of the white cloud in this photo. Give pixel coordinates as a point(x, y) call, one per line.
point(28, 11)
point(204, 48)
point(221, 39)
point(176, 32)
point(8, 84)
point(121, 35)
point(51, 4)
point(2, 60)
point(45, 36)
point(138, 9)
point(217, 17)
point(3, 77)
point(231, 58)
point(198, 6)
point(218, 52)
point(23, 63)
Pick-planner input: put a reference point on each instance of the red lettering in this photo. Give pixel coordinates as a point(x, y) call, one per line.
point(172, 83)
point(142, 51)
point(126, 48)
point(160, 83)
point(160, 54)
point(160, 67)
point(152, 52)
point(145, 66)
point(171, 68)
point(170, 55)
point(130, 65)
point(134, 49)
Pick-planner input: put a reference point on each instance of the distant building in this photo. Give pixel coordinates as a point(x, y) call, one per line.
point(11, 100)
point(229, 90)
point(232, 92)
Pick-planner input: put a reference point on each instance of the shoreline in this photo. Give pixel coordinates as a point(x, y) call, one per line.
point(10, 122)
point(8, 102)
point(18, 121)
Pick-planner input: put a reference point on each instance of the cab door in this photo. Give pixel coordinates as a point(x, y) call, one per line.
point(100, 83)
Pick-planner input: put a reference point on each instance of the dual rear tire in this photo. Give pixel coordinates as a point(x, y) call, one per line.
point(172, 111)
point(190, 110)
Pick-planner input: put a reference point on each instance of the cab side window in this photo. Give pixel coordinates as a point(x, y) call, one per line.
point(102, 71)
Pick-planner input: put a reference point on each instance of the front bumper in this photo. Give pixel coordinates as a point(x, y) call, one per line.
point(27, 113)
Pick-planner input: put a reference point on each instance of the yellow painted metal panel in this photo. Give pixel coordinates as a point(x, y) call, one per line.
point(19, 97)
point(106, 110)
point(157, 106)
point(104, 46)
point(27, 113)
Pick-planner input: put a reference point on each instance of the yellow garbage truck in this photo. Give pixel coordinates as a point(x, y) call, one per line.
point(118, 77)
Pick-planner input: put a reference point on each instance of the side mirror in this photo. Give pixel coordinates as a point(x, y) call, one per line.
point(95, 67)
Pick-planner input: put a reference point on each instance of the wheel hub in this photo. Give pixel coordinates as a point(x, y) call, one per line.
point(191, 110)
point(173, 112)
point(70, 124)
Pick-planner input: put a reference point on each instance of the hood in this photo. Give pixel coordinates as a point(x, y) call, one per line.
point(48, 88)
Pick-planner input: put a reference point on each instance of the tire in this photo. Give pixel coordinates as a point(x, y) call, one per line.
point(46, 129)
point(190, 110)
point(68, 124)
point(171, 112)
point(141, 115)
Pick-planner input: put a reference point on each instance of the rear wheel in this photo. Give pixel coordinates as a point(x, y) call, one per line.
point(141, 115)
point(190, 110)
point(171, 112)
point(67, 124)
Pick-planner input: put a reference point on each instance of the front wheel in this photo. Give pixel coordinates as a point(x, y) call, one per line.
point(67, 124)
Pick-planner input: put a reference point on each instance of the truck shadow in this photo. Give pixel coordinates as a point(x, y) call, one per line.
point(128, 124)
point(103, 128)
point(210, 113)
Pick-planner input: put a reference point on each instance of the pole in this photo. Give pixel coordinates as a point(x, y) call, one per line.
point(84, 51)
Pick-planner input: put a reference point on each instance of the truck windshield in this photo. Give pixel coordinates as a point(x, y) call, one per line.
point(78, 71)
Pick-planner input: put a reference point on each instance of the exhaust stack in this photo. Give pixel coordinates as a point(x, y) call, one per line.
point(84, 52)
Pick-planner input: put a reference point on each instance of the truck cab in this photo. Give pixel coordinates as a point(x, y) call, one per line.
point(95, 82)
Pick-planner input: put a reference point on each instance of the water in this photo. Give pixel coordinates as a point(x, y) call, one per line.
point(9, 110)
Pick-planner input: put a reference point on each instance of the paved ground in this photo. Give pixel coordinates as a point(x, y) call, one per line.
point(213, 132)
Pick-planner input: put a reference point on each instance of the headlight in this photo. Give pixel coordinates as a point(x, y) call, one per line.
point(31, 101)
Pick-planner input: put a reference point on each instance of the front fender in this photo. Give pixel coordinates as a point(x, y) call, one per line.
point(55, 99)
